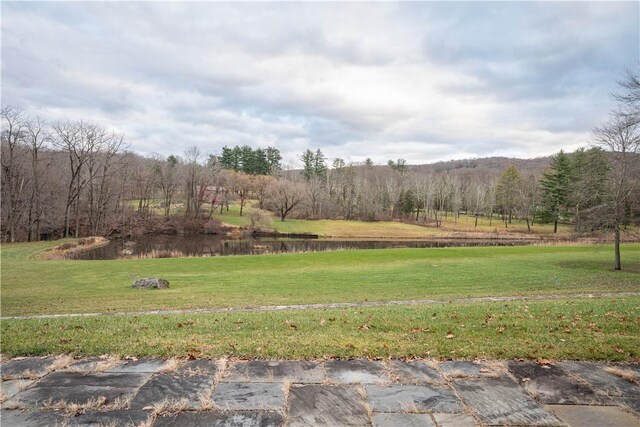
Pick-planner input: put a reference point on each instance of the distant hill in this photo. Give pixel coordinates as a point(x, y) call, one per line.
point(488, 164)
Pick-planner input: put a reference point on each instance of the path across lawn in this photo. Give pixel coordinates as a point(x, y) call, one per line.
point(332, 305)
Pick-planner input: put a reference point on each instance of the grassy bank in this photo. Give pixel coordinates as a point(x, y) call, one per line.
point(597, 329)
point(33, 286)
point(387, 229)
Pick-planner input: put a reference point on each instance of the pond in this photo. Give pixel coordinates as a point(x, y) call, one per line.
point(163, 246)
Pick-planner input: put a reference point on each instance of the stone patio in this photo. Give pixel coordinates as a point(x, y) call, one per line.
point(153, 392)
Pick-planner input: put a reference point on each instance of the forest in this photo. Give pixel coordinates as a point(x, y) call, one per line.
point(76, 178)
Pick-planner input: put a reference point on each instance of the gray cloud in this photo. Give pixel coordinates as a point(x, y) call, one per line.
point(421, 81)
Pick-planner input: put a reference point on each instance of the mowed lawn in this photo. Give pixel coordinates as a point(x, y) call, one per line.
point(31, 286)
point(343, 229)
point(596, 329)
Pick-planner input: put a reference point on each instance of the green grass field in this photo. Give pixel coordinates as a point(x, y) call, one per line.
point(384, 229)
point(603, 328)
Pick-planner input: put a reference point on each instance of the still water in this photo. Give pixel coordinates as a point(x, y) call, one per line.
point(207, 245)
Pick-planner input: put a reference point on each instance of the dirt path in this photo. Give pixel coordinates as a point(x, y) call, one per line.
point(332, 305)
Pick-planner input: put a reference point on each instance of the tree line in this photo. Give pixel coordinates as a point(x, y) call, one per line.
point(77, 178)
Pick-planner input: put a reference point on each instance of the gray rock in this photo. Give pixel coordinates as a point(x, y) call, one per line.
point(454, 420)
point(12, 387)
point(593, 416)
point(31, 418)
point(249, 396)
point(356, 371)
point(221, 419)
point(415, 372)
point(633, 403)
point(317, 405)
point(120, 418)
point(271, 371)
point(499, 401)
point(72, 387)
point(464, 369)
point(402, 420)
point(30, 367)
point(140, 366)
point(595, 374)
point(150, 283)
point(173, 388)
point(551, 384)
point(412, 398)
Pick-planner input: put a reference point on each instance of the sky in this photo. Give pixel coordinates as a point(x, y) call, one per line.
point(422, 81)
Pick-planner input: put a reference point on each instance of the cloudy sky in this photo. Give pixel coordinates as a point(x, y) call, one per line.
point(420, 81)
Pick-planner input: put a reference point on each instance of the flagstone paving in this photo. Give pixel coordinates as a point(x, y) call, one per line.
point(153, 392)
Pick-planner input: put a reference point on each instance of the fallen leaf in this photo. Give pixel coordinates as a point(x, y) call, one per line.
point(542, 361)
point(617, 349)
point(450, 336)
point(485, 370)
point(525, 380)
point(363, 327)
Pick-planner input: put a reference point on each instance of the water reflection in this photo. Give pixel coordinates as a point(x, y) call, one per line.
point(206, 245)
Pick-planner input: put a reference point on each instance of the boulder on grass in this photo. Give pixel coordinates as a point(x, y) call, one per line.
point(150, 283)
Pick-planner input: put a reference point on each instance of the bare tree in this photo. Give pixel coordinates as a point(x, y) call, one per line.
point(284, 196)
point(13, 174)
point(620, 136)
point(167, 177)
point(37, 137)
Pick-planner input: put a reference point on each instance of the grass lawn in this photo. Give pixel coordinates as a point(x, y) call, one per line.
point(604, 328)
point(33, 286)
point(383, 229)
point(597, 329)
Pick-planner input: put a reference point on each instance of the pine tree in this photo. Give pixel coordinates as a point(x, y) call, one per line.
point(307, 158)
point(554, 187)
point(319, 165)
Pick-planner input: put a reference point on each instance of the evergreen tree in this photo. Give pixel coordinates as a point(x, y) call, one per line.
point(261, 163)
point(308, 160)
point(554, 187)
point(319, 165)
point(247, 160)
point(273, 158)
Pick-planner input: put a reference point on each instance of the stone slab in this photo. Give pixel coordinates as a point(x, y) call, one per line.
point(454, 420)
point(249, 396)
point(10, 388)
point(31, 418)
point(402, 420)
point(121, 418)
point(221, 419)
point(595, 374)
point(73, 387)
point(593, 416)
point(90, 364)
point(275, 371)
point(140, 366)
point(552, 385)
point(415, 372)
point(356, 371)
point(30, 367)
point(412, 398)
point(632, 403)
point(466, 368)
point(317, 405)
point(500, 401)
point(173, 388)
